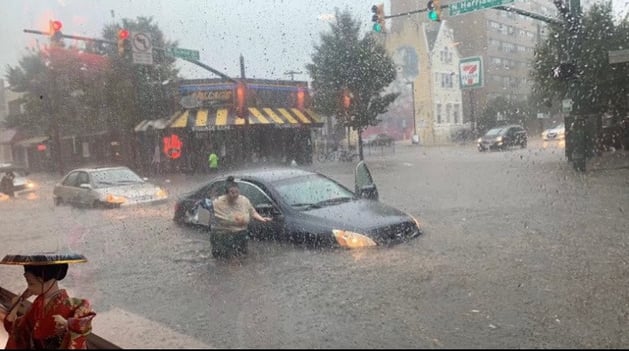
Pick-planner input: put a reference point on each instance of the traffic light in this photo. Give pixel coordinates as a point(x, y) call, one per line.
point(378, 18)
point(346, 100)
point(434, 10)
point(56, 37)
point(240, 100)
point(564, 71)
point(301, 97)
point(123, 42)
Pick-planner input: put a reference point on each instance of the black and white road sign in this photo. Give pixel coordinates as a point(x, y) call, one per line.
point(142, 48)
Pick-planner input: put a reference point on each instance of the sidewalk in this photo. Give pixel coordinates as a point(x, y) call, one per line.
point(618, 159)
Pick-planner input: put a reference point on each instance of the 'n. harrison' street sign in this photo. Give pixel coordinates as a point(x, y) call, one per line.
point(466, 6)
point(184, 53)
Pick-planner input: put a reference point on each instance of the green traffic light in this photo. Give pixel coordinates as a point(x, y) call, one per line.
point(432, 15)
point(377, 27)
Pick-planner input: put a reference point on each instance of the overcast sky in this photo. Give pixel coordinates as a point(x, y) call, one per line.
point(274, 36)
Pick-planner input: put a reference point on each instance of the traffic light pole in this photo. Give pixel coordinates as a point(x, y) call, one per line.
point(501, 8)
point(112, 42)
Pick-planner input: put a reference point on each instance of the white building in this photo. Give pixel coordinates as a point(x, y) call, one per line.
point(427, 55)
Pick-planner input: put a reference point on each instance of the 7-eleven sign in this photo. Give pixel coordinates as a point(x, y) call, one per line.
point(471, 72)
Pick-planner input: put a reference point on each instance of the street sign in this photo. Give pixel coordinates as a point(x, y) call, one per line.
point(618, 56)
point(184, 53)
point(471, 72)
point(466, 6)
point(142, 48)
point(566, 105)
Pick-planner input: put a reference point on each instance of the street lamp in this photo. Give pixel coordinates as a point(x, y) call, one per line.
point(415, 139)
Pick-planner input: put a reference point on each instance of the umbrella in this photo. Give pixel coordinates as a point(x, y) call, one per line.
point(44, 258)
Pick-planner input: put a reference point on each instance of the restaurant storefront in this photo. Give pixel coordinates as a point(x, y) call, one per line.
point(277, 129)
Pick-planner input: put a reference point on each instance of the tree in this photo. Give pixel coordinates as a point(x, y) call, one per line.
point(358, 66)
point(601, 87)
point(136, 92)
point(502, 111)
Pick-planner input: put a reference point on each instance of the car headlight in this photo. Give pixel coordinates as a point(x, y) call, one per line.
point(479, 140)
point(352, 240)
point(30, 184)
point(499, 139)
point(113, 199)
point(161, 193)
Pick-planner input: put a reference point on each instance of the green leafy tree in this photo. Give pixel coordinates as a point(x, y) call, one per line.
point(136, 92)
point(502, 111)
point(342, 61)
point(599, 86)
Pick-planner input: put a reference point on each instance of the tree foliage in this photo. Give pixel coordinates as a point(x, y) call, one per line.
point(599, 86)
point(502, 111)
point(343, 60)
point(91, 88)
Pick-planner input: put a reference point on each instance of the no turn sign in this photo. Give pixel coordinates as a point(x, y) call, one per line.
point(142, 48)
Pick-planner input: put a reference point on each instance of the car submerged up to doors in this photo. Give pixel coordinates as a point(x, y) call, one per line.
point(309, 208)
point(501, 138)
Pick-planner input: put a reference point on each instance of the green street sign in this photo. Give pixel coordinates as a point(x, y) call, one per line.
point(184, 53)
point(466, 6)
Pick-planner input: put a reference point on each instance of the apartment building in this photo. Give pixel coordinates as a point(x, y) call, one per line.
point(504, 40)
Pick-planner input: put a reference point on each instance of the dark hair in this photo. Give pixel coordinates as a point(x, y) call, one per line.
point(47, 272)
point(230, 183)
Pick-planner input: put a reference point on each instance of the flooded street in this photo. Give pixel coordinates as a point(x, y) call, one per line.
point(543, 268)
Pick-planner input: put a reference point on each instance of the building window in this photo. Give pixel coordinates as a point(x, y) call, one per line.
point(438, 112)
point(455, 113)
point(448, 112)
point(446, 80)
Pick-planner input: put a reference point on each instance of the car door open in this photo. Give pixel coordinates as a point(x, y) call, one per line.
point(364, 186)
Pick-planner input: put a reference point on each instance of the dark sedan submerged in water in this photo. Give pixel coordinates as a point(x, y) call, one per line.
point(310, 208)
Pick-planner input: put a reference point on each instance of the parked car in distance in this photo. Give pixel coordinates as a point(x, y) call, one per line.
point(557, 132)
point(308, 208)
point(106, 187)
point(381, 139)
point(501, 138)
point(21, 183)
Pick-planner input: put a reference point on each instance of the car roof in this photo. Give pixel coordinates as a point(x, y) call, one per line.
point(5, 167)
point(271, 174)
point(96, 169)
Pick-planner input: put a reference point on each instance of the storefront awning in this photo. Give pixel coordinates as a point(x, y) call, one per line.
point(151, 123)
point(31, 141)
point(220, 119)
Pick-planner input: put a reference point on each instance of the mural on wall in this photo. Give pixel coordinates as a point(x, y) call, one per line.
point(398, 120)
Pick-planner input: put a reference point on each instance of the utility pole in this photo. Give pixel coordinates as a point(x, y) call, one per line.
point(576, 150)
point(292, 74)
point(246, 135)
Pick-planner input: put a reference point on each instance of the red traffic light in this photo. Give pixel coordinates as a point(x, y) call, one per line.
point(55, 26)
point(123, 34)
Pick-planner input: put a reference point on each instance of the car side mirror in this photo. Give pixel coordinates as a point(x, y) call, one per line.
point(85, 186)
point(268, 210)
point(368, 192)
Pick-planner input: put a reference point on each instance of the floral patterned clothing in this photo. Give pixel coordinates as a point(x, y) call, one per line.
point(36, 329)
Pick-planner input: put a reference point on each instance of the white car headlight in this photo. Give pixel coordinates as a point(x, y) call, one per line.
point(479, 140)
point(352, 240)
point(499, 139)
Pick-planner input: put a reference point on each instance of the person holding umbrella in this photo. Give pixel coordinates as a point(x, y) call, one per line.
point(54, 320)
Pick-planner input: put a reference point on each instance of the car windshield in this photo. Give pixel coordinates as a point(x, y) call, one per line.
point(432, 174)
point(494, 132)
point(312, 191)
point(114, 177)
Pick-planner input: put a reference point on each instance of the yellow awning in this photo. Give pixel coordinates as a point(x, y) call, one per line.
point(204, 119)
